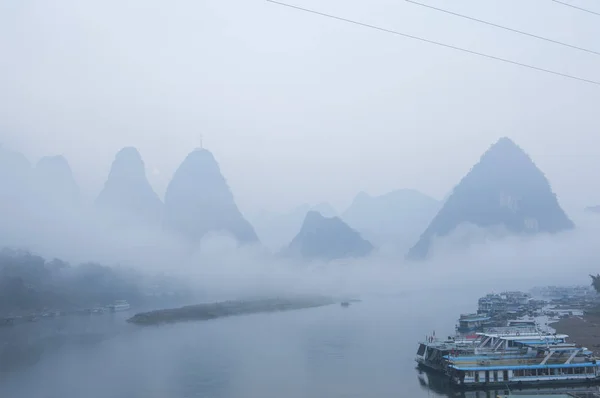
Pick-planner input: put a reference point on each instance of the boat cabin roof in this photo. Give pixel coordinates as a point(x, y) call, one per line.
point(554, 347)
point(475, 319)
point(521, 367)
point(448, 345)
point(507, 330)
point(537, 396)
point(515, 335)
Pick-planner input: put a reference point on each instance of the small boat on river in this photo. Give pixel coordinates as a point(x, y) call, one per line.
point(551, 365)
point(509, 356)
point(119, 305)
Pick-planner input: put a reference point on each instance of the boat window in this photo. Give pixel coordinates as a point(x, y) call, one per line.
point(505, 375)
point(529, 372)
point(421, 349)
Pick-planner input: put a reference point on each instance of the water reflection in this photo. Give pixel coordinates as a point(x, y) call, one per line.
point(440, 385)
point(366, 350)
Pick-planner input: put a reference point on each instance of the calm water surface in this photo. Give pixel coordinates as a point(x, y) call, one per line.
point(365, 350)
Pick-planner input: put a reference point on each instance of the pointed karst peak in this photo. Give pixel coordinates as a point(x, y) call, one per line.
point(15, 172)
point(327, 238)
point(313, 218)
point(200, 160)
point(507, 143)
point(505, 150)
point(325, 209)
point(396, 218)
point(12, 162)
point(56, 166)
point(504, 189)
point(198, 201)
point(361, 198)
point(127, 192)
point(55, 182)
point(128, 164)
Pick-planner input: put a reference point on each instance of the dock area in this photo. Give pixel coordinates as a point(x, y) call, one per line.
point(518, 340)
point(583, 330)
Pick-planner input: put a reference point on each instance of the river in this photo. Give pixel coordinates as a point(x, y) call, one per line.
point(365, 350)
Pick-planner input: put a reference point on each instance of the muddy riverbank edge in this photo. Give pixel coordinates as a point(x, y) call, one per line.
point(208, 311)
point(582, 330)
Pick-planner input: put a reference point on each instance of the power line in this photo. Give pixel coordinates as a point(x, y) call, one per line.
point(508, 61)
point(503, 27)
point(578, 8)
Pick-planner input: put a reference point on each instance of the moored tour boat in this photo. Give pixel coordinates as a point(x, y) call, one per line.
point(120, 305)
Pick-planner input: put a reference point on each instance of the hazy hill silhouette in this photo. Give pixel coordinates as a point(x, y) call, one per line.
point(396, 218)
point(15, 197)
point(198, 201)
point(504, 189)
point(325, 209)
point(276, 230)
point(15, 176)
point(327, 239)
point(54, 183)
point(593, 209)
point(128, 198)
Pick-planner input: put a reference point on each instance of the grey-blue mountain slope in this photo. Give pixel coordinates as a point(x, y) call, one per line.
point(128, 198)
point(504, 189)
point(198, 201)
point(276, 230)
point(327, 238)
point(54, 183)
point(15, 178)
point(396, 218)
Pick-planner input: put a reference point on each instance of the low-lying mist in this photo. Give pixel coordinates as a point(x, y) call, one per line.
point(219, 268)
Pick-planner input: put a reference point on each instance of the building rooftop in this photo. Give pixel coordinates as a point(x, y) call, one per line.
point(537, 396)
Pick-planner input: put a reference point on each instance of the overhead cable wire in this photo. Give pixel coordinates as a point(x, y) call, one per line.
point(502, 27)
point(576, 7)
point(450, 46)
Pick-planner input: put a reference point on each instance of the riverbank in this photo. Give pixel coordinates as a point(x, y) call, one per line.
point(201, 312)
point(582, 330)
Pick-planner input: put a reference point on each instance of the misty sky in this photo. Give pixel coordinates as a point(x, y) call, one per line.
point(298, 108)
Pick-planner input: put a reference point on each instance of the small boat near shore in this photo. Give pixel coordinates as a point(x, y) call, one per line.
point(433, 353)
point(119, 305)
point(468, 323)
point(509, 356)
point(441, 385)
point(552, 365)
point(511, 347)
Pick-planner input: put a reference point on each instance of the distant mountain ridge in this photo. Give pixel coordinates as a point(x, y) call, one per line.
point(198, 201)
point(276, 230)
point(327, 238)
point(55, 184)
point(127, 198)
point(593, 209)
point(505, 188)
point(325, 209)
point(15, 176)
point(395, 218)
